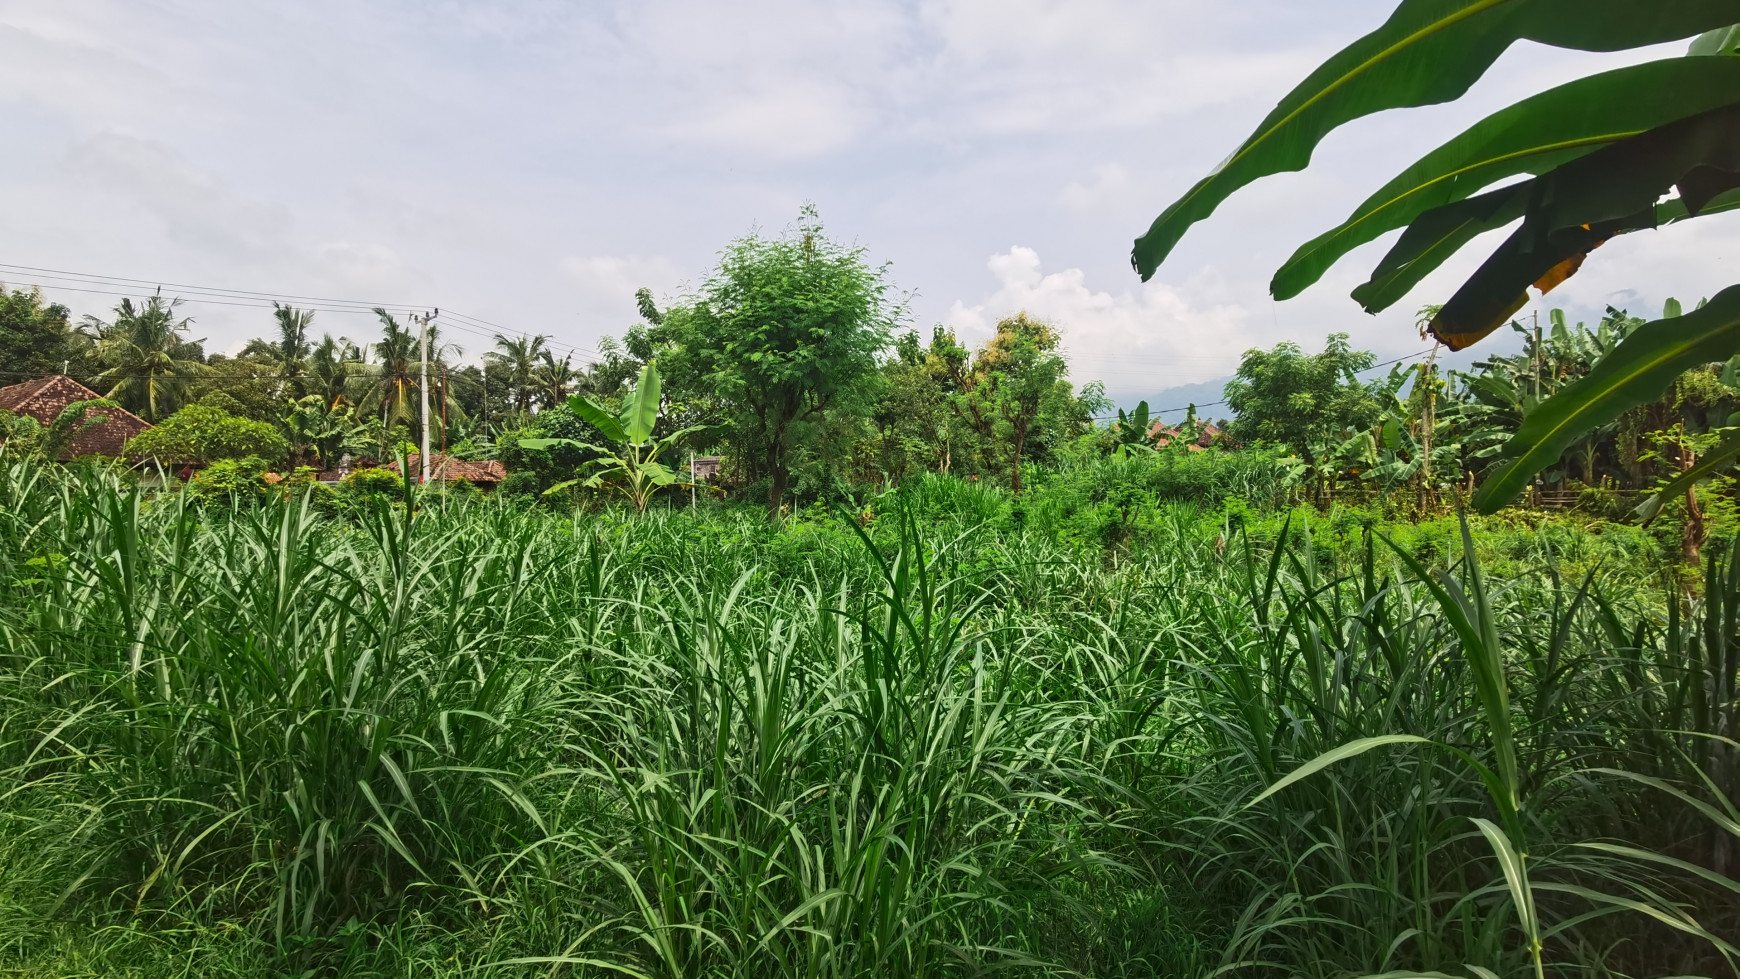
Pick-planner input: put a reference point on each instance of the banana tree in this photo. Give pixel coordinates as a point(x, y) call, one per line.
point(1130, 435)
point(632, 465)
point(1635, 148)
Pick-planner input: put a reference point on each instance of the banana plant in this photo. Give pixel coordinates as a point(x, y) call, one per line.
point(632, 466)
point(1131, 432)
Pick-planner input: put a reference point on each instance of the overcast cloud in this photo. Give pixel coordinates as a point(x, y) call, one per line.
point(533, 162)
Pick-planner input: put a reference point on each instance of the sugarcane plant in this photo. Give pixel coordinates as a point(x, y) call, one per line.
point(632, 465)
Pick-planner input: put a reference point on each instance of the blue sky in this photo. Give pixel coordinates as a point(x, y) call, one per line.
point(532, 163)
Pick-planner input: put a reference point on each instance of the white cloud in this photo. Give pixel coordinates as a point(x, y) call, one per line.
point(607, 283)
point(1142, 340)
point(197, 207)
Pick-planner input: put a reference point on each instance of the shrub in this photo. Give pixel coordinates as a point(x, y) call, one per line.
point(240, 480)
point(201, 434)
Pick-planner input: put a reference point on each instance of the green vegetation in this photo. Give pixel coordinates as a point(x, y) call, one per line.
point(1624, 151)
point(953, 730)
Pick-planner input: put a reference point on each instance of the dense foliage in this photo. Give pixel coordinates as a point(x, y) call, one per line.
point(981, 731)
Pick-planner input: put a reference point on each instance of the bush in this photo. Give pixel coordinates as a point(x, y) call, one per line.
point(518, 483)
point(201, 434)
point(240, 480)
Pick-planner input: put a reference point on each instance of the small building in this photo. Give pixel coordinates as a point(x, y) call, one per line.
point(707, 467)
point(1163, 435)
point(484, 475)
point(46, 397)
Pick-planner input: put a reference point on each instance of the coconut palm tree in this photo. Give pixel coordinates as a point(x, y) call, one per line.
point(555, 379)
point(516, 359)
point(389, 386)
point(288, 354)
point(331, 364)
point(147, 359)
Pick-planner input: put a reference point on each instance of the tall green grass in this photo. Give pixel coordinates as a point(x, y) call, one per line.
point(442, 736)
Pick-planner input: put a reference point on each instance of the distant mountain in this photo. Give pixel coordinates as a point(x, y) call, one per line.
point(1180, 398)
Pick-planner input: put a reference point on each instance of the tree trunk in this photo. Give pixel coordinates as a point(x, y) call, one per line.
point(1015, 467)
point(776, 470)
point(1693, 540)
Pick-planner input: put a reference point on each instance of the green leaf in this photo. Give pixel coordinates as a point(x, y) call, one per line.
point(1532, 136)
point(1516, 878)
point(1334, 755)
point(1716, 460)
point(1638, 371)
point(1429, 51)
point(640, 410)
point(589, 412)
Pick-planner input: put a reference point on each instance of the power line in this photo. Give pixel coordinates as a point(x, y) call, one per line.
point(125, 286)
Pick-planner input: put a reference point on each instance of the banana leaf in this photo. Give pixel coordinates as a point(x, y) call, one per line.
point(1638, 371)
point(1440, 233)
point(640, 410)
point(589, 412)
point(1429, 51)
point(1579, 205)
point(1533, 136)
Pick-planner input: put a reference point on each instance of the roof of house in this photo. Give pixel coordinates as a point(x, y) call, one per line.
point(446, 467)
point(1206, 433)
point(44, 398)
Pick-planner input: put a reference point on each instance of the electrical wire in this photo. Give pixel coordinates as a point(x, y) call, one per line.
point(125, 286)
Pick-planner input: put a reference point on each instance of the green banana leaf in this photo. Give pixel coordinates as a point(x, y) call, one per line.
point(1725, 40)
point(1638, 371)
point(547, 443)
point(1717, 460)
point(640, 410)
point(1440, 233)
point(1532, 136)
point(1429, 51)
point(1581, 204)
point(589, 412)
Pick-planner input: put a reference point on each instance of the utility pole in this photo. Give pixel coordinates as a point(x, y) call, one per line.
point(1537, 355)
point(423, 392)
point(444, 424)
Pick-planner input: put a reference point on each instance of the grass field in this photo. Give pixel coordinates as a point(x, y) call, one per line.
point(943, 737)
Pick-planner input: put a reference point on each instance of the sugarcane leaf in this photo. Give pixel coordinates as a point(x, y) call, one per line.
point(640, 410)
point(1638, 371)
point(1532, 136)
point(1333, 755)
point(1429, 51)
point(588, 411)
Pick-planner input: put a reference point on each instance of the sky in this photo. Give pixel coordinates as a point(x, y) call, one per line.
point(530, 163)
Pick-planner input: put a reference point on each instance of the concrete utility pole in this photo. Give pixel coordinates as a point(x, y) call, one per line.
point(423, 393)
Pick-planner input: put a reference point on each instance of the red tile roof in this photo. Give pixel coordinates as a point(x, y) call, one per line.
point(44, 398)
point(1163, 434)
point(441, 467)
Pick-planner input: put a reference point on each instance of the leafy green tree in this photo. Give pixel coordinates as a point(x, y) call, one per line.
point(1302, 401)
point(36, 337)
point(1017, 371)
point(146, 359)
point(199, 434)
point(783, 331)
